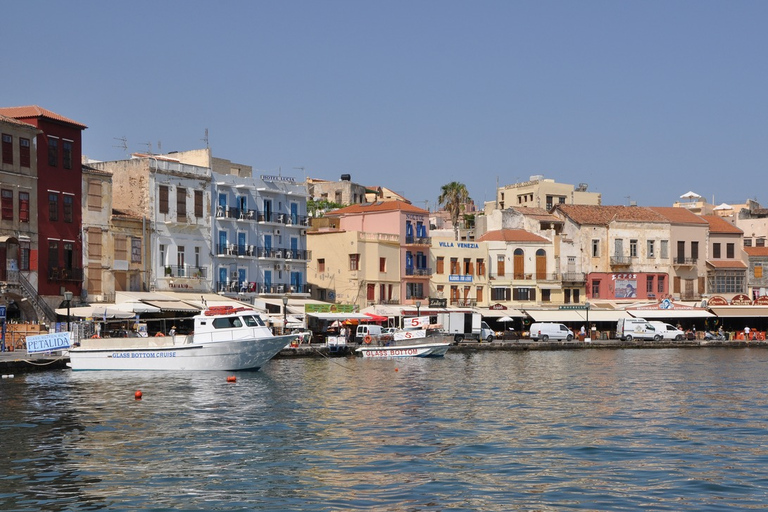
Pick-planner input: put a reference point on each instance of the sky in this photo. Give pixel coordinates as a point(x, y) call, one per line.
point(641, 100)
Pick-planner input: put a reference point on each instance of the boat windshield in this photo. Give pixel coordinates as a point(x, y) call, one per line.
point(227, 322)
point(253, 321)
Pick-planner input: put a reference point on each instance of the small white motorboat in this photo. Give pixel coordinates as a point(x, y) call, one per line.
point(224, 339)
point(414, 343)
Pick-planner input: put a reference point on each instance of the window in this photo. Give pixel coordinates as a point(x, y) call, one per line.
point(53, 151)
point(94, 278)
point(121, 248)
point(716, 250)
point(53, 253)
point(500, 294)
point(53, 206)
point(181, 204)
point(758, 270)
point(454, 266)
point(7, 149)
point(7, 204)
point(545, 295)
point(468, 267)
point(761, 242)
point(23, 206)
point(370, 294)
point(729, 281)
point(66, 154)
point(198, 204)
point(135, 250)
point(321, 265)
point(633, 248)
point(730, 251)
point(664, 249)
point(24, 159)
point(94, 195)
point(414, 290)
point(595, 248)
point(481, 267)
point(576, 295)
point(524, 294)
point(94, 244)
point(440, 265)
point(479, 294)
point(382, 264)
point(596, 289)
point(163, 199)
point(747, 242)
point(649, 284)
point(651, 248)
point(24, 256)
point(354, 262)
point(694, 251)
point(662, 288)
point(69, 202)
point(680, 251)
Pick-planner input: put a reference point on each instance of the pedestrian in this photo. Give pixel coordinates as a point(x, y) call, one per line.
point(172, 332)
point(746, 333)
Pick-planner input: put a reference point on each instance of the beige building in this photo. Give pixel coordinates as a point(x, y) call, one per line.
point(540, 192)
point(98, 241)
point(460, 272)
point(342, 192)
point(726, 259)
point(354, 267)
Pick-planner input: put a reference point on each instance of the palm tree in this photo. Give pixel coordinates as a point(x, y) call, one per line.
point(453, 197)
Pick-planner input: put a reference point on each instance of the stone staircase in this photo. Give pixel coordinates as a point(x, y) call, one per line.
point(17, 283)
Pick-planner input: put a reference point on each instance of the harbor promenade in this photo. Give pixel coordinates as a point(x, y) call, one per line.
point(12, 363)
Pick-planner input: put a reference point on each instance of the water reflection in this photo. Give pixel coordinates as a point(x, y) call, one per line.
point(599, 429)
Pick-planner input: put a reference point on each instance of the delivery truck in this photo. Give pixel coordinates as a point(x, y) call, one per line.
point(463, 325)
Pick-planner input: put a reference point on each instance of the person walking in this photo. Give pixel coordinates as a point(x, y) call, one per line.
point(746, 333)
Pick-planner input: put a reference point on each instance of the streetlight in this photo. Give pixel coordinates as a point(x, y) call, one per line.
point(418, 307)
point(68, 297)
point(285, 314)
point(589, 328)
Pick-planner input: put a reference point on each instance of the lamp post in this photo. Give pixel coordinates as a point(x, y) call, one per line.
point(68, 297)
point(589, 328)
point(418, 307)
point(285, 314)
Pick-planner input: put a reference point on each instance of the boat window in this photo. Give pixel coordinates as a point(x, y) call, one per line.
point(253, 321)
point(227, 322)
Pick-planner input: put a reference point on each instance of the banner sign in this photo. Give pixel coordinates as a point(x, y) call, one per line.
point(329, 308)
point(410, 335)
point(48, 342)
point(416, 322)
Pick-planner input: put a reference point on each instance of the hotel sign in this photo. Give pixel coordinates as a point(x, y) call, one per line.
point(283, 179)
point(456, 278)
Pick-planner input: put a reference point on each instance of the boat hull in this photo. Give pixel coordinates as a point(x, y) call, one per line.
point(246, 354)
point(415, 350)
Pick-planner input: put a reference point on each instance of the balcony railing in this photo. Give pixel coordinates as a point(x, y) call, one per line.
point(234, 286)
point(418, 272)
point(286, 254)
point(620, 261)
point(184, 271)
point(464, 303)
point(418, 240)
point(72, 274)
point(685, 262)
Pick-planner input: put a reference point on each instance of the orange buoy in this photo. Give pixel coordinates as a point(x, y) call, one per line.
point(367, 339)
point(397, 370)
point(137, 395)
point(231, 378)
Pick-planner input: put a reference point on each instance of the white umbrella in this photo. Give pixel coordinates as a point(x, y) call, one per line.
point(506, 319)
point(690, 195)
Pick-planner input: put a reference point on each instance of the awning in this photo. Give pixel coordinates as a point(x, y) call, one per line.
point(576, 315)
point(135, 306)
point(385, 310)
point(650, 314)
point(498, 313)
point(739, 311)
point(377, 318)
point(339, 316)
point(176, 306)
point(96, 311)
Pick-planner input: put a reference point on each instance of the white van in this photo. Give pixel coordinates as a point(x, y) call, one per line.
point(668, 331)
point(629, 329)
point(546, 331)
point(372, 330)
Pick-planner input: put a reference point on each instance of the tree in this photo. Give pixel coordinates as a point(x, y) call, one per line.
point(453, 197)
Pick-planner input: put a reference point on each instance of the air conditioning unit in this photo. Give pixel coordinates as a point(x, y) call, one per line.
point(303, 231)
point(277, 231)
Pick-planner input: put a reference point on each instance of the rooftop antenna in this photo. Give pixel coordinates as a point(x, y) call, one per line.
point(159, 147)
point(149, 147)
point(123, 143)
point(205, 139)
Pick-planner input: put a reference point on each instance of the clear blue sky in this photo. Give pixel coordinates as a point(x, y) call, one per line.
point(646, 99)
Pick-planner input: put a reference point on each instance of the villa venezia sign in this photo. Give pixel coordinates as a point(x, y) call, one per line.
point(460, 245)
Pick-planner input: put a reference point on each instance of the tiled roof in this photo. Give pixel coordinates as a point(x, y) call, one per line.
point(537, 213)
point(678, 215)
point(726, 264)
point(14, 121)
point(756, 251)
point(32, 111)
point(719, 225)
point(603, 215)
point(379, 206)
point(511, 235)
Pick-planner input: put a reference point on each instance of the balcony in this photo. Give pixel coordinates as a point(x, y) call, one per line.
point(287, 254)
point(574, 277)
point(418, 272)
point(464, 303)
point(685, 262)
point(68, 274)
point(418, 240)
point(233, 286)
point(183, 271)
point(620, 261)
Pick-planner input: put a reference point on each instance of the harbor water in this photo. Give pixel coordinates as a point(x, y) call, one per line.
point(672, 429)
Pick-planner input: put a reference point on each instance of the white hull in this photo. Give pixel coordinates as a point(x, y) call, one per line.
point(414, 350)
point(132, 354)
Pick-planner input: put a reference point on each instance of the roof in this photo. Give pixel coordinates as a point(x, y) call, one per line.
point(537, 213)
point(33, 111)
point(379, 206)
point(756, 251)
point(603, 215)
point(678, 215)
point(511, 235)
point(718, 225)
point(726, 264)
point(14, 121)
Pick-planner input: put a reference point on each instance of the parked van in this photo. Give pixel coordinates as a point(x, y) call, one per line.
point(668, 331)
point(629, 329)
point(363, 330)
point(546, 331)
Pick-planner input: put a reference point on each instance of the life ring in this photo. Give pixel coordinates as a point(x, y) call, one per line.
point(95, 336)
point(159, 334)
point(367, 339)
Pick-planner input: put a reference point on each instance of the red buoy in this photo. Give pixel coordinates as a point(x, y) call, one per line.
point(231, 378)
point(137, 395)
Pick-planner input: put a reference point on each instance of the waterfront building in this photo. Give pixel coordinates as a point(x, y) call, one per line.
point(410, 224)
point(460, 271)
point(18, 219)
point(757, 273)
point(98, 241)
point(752, 219)
point(623, 249)
point(540, 192)
point(726, 259)
point(342, 192)
point(58, 151)
point(521, 268)
point(688, 242)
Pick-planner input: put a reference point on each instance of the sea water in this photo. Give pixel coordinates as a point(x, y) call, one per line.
point(571, 430)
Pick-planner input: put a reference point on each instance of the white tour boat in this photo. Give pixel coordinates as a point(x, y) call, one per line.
point(414, 343)
point(225, 338)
